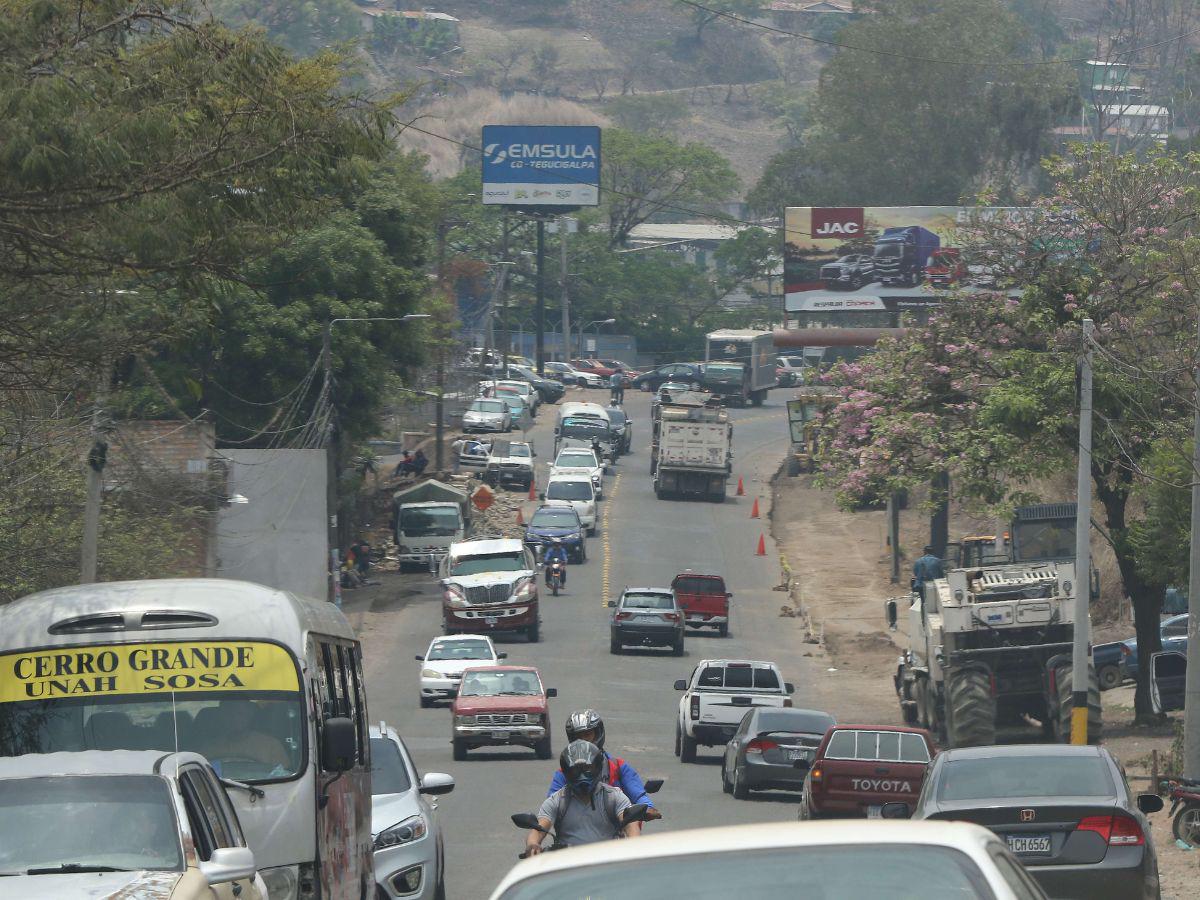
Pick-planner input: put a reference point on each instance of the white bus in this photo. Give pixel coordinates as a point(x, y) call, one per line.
point(265, 684)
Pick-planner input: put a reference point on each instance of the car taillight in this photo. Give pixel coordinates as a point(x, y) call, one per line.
point(671, 617)
point(1118, 830)
point(761, 745)
point(622, 616)
point(695, 706)
point(815, 773)
point(1126, 651)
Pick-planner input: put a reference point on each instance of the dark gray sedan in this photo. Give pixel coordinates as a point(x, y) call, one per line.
point(649, 617)
point(1065, 811)
point(772, 749)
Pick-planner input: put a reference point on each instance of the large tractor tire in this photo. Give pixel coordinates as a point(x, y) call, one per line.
point(1063, 682)
point(970, 708)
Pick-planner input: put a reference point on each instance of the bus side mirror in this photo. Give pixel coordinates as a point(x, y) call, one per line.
point(338, 744)
point(889, 609)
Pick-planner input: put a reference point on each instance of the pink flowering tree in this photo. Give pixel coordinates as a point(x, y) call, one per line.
point(984, 395)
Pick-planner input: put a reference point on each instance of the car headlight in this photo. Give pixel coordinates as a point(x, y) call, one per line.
point(464, 720)
point(431, 673)
point(405, 832)
point(454, 596)
point(525, 588)
point(575, 536)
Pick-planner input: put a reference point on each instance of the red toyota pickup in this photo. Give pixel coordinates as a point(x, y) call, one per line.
point(704, 600)
point(858, 768)
point(501, 705)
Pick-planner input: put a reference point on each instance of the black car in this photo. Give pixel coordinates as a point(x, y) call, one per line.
point(771, 749)
point(1065, 811)
point(548, 389)
point(691, 374)
point(621, 427)
point(649, 617)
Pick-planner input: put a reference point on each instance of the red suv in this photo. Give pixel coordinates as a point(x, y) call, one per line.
point(859, 768)
point(501, 705)
point(704, 600)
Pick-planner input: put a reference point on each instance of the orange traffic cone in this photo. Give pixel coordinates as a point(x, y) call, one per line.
point(754, 511)
point(532, 490)
point(741, 491)
point(762, 546)
point(520, 516)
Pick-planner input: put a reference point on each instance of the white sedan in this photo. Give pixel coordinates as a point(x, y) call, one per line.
point(577, 461)
point(447, 658)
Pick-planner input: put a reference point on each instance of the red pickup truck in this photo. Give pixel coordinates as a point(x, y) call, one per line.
point(858, 768)
point(704, 600)
point(501, 705)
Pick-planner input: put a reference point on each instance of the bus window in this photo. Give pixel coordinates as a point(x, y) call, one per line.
point(353, 711)
point(360, 698)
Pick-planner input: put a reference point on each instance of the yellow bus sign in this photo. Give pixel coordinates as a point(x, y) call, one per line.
point(153, 668)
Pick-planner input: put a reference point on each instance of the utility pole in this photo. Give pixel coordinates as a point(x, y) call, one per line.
point(331, 471)
point(566, 306)
point(97, 458)
point(1191, 686)
point(540, 355)
point(1083, 546)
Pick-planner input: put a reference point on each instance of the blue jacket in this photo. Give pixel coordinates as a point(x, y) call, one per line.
point(927, 568)
point(628, 780)
point(556, 552)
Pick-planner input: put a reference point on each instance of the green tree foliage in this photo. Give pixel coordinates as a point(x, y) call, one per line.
point(306, 27)
point(986, 391)
point(643, 176)
point(706, 12)
point(648, 113)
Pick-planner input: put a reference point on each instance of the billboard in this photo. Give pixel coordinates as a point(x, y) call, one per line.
point(541, 165)
point(883, 258)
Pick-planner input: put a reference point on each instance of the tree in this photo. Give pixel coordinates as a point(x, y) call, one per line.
point(645, 175)
point(705, 13)
point(648, 113)
point(986, 391)
point(307, 27)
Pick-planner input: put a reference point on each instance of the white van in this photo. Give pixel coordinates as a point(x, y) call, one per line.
point(579, 408)
point(581, 493)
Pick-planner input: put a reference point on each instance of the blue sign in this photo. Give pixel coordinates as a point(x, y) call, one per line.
point(541, 165)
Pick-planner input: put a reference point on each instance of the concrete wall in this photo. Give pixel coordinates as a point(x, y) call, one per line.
point(279, 537)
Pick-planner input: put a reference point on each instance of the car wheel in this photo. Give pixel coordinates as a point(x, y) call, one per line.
point(426, 703)
point(677, 647)
point(460, 750)
point(740, 789)
point(591, 531)
point(1110, 677)
point(687, 748)
point(582, 553)
point(726, 787)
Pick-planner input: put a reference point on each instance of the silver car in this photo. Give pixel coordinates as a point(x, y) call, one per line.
point(409, 860)
point(487, 415)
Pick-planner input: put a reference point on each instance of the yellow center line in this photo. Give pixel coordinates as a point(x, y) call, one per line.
point(606, 568)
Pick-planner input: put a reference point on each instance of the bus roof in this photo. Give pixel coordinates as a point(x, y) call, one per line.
point(180, 609)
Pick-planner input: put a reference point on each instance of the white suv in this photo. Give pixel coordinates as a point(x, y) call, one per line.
point(579, 491)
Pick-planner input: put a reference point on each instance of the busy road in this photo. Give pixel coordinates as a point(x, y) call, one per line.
point(642, 542)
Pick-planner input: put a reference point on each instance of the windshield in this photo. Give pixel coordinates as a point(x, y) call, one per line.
point(430, 522)
point(887, 250)
point(896, 871)
point(518, 450)
point(98, 822)
point(616, 417)
point(569, 490)
point(461, 649)
point(488, 562)
point(1052, 539)
point(389, 775)
point(521, 683)
point(246, 735)
point(491, 406)
point(555, 518)
point(578, 459)
point(988, 778)
point(723, 370)
point(649, 601)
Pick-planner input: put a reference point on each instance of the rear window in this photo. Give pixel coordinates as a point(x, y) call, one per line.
point(794, 722)
point(743, 677)
point(690, 584)
point(881, 746)
point(1025, 776)
point(650, 601)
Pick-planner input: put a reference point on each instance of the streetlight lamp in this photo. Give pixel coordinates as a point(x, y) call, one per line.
point(597, 323)
point(332, 447)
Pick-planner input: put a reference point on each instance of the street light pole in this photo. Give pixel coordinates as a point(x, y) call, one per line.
point(333, 440)
point(541, 297)
point(597, 323)
point(1083, 556)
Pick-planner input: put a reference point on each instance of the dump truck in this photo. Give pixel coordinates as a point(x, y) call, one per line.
point(989, 646)
point(691, 452)
point(739, 365)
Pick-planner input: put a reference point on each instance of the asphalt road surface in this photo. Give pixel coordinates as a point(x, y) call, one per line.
point(645, 542)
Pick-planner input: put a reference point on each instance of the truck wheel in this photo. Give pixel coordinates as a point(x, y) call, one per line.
point(592, 531)
point(687, 748)
point(723, 629)
point(1110, 677)
point(533, 632)
point(970, 708)
point(758, 397)
point(460, 750)
point(1063, 682)
point(678, 742)
point(614, 646)
point(425, 702)
point(542, 748)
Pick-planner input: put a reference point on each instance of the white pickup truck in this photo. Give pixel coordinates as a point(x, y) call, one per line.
point(717, 697)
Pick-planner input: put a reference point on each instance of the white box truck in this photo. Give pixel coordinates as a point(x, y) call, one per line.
point(692, 454)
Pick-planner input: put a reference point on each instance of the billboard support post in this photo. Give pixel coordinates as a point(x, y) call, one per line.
point(541, 296)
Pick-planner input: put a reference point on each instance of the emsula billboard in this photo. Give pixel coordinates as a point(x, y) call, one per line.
point(541, 165)
point(883, 257)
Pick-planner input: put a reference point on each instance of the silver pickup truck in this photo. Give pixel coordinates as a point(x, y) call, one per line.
point(718, 696)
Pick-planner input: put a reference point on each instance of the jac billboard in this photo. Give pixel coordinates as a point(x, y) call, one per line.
point(843, 259)
point(541, 165)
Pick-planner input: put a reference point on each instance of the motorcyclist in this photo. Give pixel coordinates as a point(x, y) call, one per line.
point(556, 552)
point(585, 809)
point(587, 725)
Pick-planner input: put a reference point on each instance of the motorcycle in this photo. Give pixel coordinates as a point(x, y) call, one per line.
point(1185, 808)
point(554, 576)
point(639, 812)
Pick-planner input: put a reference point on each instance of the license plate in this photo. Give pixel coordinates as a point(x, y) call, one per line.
point(874, 812)
point(799, 754)
point(490, 620)
point(1028, 843)
point(499, 735)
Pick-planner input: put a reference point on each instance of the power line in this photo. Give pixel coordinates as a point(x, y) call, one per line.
point(979, 63)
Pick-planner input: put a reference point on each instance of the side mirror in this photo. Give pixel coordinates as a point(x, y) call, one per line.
point(612, 604)
point(503, 654)
point(419, 658)
point(542, 495)
point(436, 783)
point(653, 785)
point(526, 820)
point(551, 692)
point(635, 813)
point(729, 596)
point(445, 582)
point(789, 688)
point(895, 811)
point(1149, 803)
point(229, 864)
point(338, 740)
point(680, 684)
point(890, 613)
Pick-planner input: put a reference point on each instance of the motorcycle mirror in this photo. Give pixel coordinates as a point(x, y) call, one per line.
point(635, 813)
point(654, 785)
point(527, 820)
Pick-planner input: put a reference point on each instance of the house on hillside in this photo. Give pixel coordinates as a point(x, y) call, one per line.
point(808, 15)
